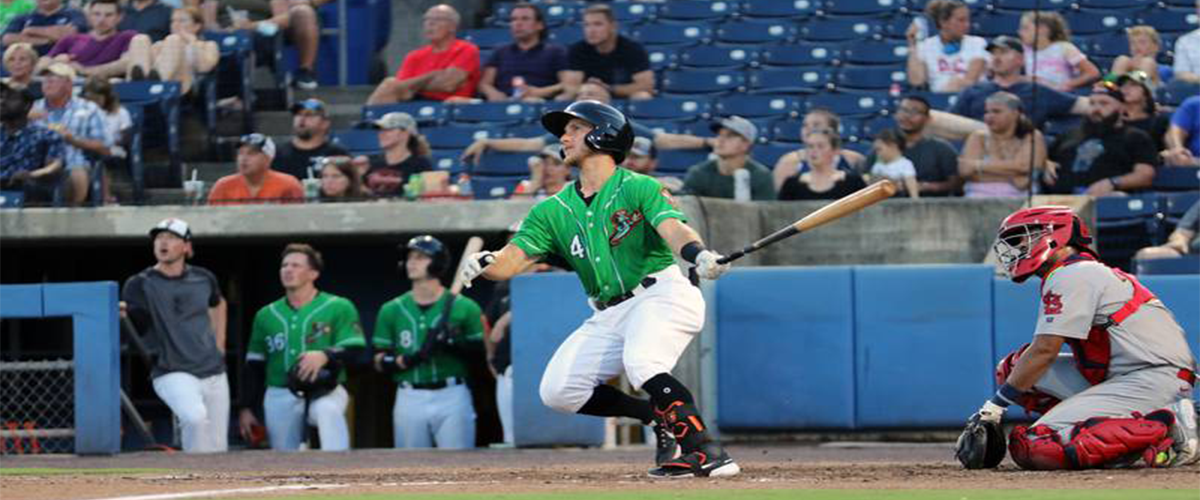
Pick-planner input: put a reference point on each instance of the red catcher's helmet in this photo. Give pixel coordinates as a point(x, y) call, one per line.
point(1029, 236)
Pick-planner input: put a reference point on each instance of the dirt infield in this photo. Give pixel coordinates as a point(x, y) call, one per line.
point(517, 471)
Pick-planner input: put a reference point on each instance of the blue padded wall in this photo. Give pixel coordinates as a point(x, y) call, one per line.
point(923, 349)
point(1014, 316)
point(546, 308)
point(1181, 293)
point(21, 301)
point(785, 350)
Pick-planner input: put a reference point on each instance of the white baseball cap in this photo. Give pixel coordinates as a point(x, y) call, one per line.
point(174, 226)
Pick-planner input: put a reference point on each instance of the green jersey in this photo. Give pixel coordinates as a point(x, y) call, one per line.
point(403, 324)
point(281, 334)
point(611, 243)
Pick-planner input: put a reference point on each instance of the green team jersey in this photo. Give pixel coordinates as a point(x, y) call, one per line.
point(402, 326)
point(611, 243)
point(281, 334)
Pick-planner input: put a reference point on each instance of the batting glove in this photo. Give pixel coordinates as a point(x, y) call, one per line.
point(474, 266)
point(707, 266)
point(991, 412)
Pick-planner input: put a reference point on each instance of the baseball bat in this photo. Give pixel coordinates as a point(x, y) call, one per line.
point(841, 207)
point(474, 245)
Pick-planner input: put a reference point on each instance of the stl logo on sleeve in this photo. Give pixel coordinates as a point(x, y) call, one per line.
point(1052, 303)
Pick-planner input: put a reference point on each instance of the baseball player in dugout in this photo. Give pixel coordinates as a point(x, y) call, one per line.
point(298, 348)
point(1121, 397)
point(619, 231)
point(424, 339)
point(180, 309)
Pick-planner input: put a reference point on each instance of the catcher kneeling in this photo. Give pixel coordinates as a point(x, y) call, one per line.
point(1121, 397)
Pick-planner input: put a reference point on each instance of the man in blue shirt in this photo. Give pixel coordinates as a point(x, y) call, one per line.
point(1183, 138)
point(78, 121)
point(30, 154)
point(45, 26)
point(528, 68)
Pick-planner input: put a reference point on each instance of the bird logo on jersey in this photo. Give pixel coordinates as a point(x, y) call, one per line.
point(623, 224)
point(318, 330)
point(1052, 303)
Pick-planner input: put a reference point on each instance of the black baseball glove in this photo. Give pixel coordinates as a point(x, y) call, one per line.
point(326, 381)
point(981, 444)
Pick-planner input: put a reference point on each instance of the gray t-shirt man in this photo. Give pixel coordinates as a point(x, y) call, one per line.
point(173, 314)
point(934, 159)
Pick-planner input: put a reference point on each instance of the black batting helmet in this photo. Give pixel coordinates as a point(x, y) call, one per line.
point(435, 249)
point(612, 135)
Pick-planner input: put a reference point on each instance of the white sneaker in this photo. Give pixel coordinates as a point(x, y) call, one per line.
point(1187, 441)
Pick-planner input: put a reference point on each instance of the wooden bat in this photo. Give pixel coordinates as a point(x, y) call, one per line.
point(841, 207)
point(474, 245)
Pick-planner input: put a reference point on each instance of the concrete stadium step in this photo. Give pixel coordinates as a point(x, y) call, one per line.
point(352, 94)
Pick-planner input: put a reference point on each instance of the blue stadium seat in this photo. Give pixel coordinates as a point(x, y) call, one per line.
point(531, 129)
point(494, 112)
point(848, 104)
point(1177, 179)
point(840, 29)
point(697, 10)
point(487, 187)
point(860, 8)
point(12, 199)
point(1187, 264)
point(237, 51)
point(787, 131)
point(872, 127)
point(698, 128)
point(938, 100)
point(711, 56)
point(800, 79)
point(566, 35)
point(1176, 91)
point(634, 12)
point(876, 52)
point(1124, 225)
point(456, 137)
point(667, 126)
point(862, 147)
point(1171, 207)
point(137, 163)
point(1105, 45)
point(852, 128)
point(662, 57)
point(1187, 4)
point(871, 77)
point(988, 25)
point(1169, 21)
point(1024, 5)
point(758, 106)
point(801, 54)
point(1095, 22)
point(502, 164)
point(160, 101)
point(779, 9)
point(424, 112)
point(448, 160)
point(755, 32)
point(677, 161)
point(357, 142)
point(669, 108)
point(702, 81)
point(768, 154)
point(1113, 4)
point(1060, 126)
point(557, 14)
point(488, 38)
point(670, 34)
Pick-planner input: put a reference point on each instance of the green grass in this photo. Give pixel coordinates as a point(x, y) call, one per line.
point(793, 494)
point(47, 471)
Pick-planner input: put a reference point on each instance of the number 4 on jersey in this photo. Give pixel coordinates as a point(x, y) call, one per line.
point(577, 249)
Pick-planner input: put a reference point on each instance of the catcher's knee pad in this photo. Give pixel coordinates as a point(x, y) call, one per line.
point(1033, 400)
point(1036, 448)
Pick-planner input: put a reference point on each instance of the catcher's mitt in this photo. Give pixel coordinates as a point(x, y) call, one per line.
point(326, 381)
point(981, 444)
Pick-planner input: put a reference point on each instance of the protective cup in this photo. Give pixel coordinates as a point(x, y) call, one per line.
point(981, 444)
point(326, 382)
point(611, 133)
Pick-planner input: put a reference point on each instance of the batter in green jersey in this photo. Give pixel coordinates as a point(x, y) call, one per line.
point(309, 328)
point(619, 232)
point(426, 350)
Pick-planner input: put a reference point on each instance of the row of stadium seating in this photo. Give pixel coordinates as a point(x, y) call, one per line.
point(1126, 224)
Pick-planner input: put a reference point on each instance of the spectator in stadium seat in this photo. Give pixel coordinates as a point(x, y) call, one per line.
point(890, 163)
point(296, 17)
point(254, 181)
point(1181, 241)
point(445, 70)
point(19, 61)
point(1060, 64)
point(1102, 156)
point(80, 123)
point(547, 174)
point(1141, 111)
point(340, 181)
point(31, 155)
point(950, 60)
point(10, 9)
point(405, 153)
point(1183, 138)
point(715, 178)
point(301, 157)
point(148, 17)
point(935, 159)
point(100, 51)
point(530, 68)
point(643, 159)
point(180, 57)
point(1144, 45)
point(117, 122)
point(1187, 55)
point(823, 181)
point(996, 163)
point(605, 56)
point(797, 161)
point(45, 26)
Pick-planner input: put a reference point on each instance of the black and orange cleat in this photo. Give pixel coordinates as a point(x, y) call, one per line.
point(666, 448)
point(709, 461)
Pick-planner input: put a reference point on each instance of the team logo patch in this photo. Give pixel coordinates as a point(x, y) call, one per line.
point(623, 224)
point(1052, 303)
point(318, 330)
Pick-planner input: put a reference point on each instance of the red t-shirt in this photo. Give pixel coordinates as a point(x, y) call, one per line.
point(277, 187)
point(461, 54)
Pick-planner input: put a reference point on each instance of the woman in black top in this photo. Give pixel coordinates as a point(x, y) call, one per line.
point(824, 181)
point(405, 152)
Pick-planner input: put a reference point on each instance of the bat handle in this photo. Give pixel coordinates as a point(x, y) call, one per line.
point(732, 257)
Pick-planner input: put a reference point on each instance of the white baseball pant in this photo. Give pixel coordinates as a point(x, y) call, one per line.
point(201, 407)
point(284, 412)
point(423, 418)
point(504, 403)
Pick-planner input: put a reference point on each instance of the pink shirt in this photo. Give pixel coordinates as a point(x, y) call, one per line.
point(87, 51)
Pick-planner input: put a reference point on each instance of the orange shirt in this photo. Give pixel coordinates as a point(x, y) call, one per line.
point(461, 54)
point(276, 187)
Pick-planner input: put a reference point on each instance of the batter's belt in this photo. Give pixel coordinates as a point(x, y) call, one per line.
point(647, 282)
point(433, 386)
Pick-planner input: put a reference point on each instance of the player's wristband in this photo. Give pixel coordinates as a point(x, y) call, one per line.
point(691, 250)
point(1007, 395)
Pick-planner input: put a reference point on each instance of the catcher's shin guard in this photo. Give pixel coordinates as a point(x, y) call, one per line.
point(1095, 442)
